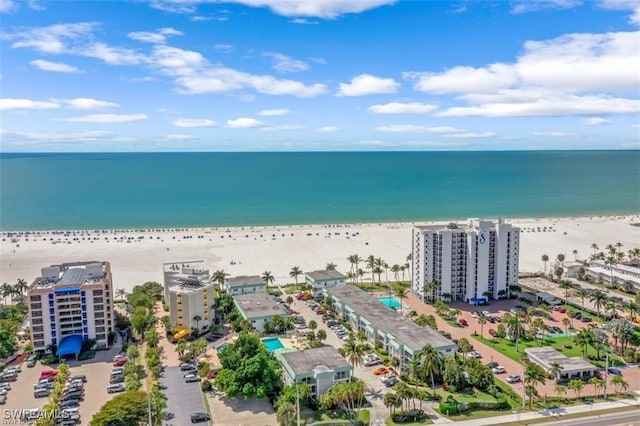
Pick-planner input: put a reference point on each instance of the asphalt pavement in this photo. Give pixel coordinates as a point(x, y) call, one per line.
point(183, 399)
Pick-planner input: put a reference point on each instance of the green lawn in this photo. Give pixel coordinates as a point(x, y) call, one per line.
point(476, 395)
point(508, 348)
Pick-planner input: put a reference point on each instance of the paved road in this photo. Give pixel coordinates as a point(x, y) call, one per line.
point(183, 399)
point(628, 418)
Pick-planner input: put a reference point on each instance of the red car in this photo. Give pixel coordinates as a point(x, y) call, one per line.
point(120, 362)
point(319, 311)
point(463, 322)
point(301, 296)
point(562, 310)
point(46, 374)
point(292, 312)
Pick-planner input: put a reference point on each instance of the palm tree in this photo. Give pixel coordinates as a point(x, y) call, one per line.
point(595, 248)
point(330, 267)
point(583, 294)
point(321, 335)
point(597, 383)
point(122, 293)
point(220, 276)
point(560, 390)
point(633, 309)
point(7, 290)
point(371, 265)
point(295, 273)
point(20, 288)
point(514, 326)
point(429, 289)
point(181, 347)
point(576, 385)
point(395, 269)
point(313, 325)
point(599, 300)
point(197, 319)
point(554, 369)
point(545, 259)
point(566, 286)
point(618, 381)
point(575, 255)
point(533, 375)
point(566, 322)
point(482, 321)
point(401, 293)
point(267, 277)
point(353, 352)
point(432, 364)
point(289, 300)
point(611, 261)
point(583, 338)
point(391, 401)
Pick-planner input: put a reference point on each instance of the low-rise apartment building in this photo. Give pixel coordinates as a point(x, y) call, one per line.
point(398, 335)
point(322, 279)
point(320, 368)
point(258, 308)
point(245, 285)
point(70, 303)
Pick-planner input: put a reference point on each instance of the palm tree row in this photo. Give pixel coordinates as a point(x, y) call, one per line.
point(16, 290)
point(375, 266)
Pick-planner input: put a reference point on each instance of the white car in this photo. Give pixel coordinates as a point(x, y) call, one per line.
point(498, 370)
point(514, 378)
point(486, 314)
point(474, 354)
point(474, 314)
point(387, 376)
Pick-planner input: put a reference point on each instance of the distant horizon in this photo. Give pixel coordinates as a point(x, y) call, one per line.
point(319, 76)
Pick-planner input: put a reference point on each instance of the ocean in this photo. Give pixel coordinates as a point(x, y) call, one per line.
point(169, 190)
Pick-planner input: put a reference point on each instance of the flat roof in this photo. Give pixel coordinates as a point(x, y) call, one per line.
point(323, 275)
point(389, 321)
point(546, 355)
point(258, 305)
point(243, 280)
point(318, 360)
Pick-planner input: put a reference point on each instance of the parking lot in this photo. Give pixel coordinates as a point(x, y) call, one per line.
point(183, 399)
point(97, 371)
point(240, 412)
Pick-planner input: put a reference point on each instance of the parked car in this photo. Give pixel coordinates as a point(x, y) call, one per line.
point(199, 417)
point(390, 381)
point(514, 378)
point(615, 371)
point(41, 392)
point(498, 370)
point(474, 314)
point(6, 386)
point(120, 362)
point(190, 378)
point(187, 366)
point(119, 356)
point(31, 361)
point(586, 319)
point(117, 370)
point(372, 361)
point(474, 354)
point(3, 398)
point(493, 333)
point(380, 371)
point(492, 364)
point(486, 314)
point(69, 404)
point(115, 388)
point(116, 379)
point(44, 382)
point(463, 322)
point(80, 377)
point(562, 310)
point(13, 368)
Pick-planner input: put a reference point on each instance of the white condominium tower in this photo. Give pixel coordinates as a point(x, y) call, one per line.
point(470, 262)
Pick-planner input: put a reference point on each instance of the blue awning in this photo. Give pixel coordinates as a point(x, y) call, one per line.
point(67, 290)
point(70, 345)
point(478, 299)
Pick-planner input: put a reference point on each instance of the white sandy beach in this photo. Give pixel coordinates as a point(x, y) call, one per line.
point(137, 256)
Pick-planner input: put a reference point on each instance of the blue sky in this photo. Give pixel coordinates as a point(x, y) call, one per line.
point(273, 75)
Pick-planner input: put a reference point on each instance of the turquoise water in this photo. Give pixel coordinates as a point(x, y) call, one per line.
point(161, 190)
point(272, 344)
point(222, 347)
point(390, 302)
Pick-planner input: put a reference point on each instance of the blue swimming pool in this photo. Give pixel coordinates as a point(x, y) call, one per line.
point(390, 302)
point(272, 343)
point(222, 347)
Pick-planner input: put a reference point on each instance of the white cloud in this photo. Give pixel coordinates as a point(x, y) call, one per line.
point(106, 118)
point(245, 123)
point(273, 112)
point(158, 37)
point(36, 6)
point(595, 121)
point(631, 5)
point(223, 47)
point(86, 103)
point(199, 18)
point(178, 137)
point(284, 63)
point(52, 39)
point(403, 108)
point(542, 82)
point(326, 9)
point(366, 84)
point(113, 55)
point(283, 127)
point(9, 103)
point(636, 126)
point(470, 135)
point(327, 129)
point(8, 6)
point(303, 21)
point(69, 137)
point(193, 122)
point(557, 134)
point(524, 6)
point(412, 128)
point(196, 75)
point(55, 66)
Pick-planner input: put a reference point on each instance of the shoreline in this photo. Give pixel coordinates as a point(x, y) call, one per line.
point(137, 255)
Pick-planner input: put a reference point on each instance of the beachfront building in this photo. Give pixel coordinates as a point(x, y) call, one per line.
point(570, 368)
point(245, 285)
point(175, 272)
point(473, 262)
point(70, 303)
point(320, 368)
point(258, 308)
point(622, 274)
point(399, 336)
point(191, 301)
point(325, 279)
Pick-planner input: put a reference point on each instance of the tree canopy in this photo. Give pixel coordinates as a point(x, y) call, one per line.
point(128, 408)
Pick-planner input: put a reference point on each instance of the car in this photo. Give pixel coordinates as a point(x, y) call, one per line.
point(212, 375)
point(115, 388)
point(390, 381)
point(387, 376)
point(615, 371)
point(74, 388)
point(69, 414)
point(325, 319)
point(41, 392)
point(72, 396)
point(492, 364)
point(319, 311)
point(80, 377)
point(586, 319)
point(210, 338)
point(119, 356)
point(445, 334)
point(493, 333)
point(474, 314)
point(463, 322)
point(190, 378)
point(562, 310)
point(116, 379)
point(6, 386)
point(69, 404)
point(67, 422)
point(372, 361)
point(187, 366)
point(474, 354)
point(31, 361)
point(3, 398)
point(486, 314)
point(13, 368)
point(117, 370)
point(555, 308)
point(44, 382)
point(199, 417)
point(120, 362)
point(8, 377)
point(380, 371)
point(498, 370)
point(514, 378)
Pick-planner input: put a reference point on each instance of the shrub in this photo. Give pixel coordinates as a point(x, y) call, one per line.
point(48, 359)
point(165, 307)
point(87, 355)
point(448, 408)
point(206, 386)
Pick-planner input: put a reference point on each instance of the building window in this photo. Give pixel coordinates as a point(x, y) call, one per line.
point(36, 298)
point(100, 336)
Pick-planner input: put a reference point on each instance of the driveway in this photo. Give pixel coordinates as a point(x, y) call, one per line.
point(240, 412)
point(183, 399)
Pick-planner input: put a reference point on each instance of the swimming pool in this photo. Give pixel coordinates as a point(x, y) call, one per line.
point(390, 302)
point(222, 347)
point(272, 343)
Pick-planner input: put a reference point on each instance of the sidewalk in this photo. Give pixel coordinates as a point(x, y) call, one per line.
point(555, 414)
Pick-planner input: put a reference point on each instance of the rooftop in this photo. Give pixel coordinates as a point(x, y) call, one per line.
point(404, 330)
point(326, 275)
point(243, 280)
point(546, 355)
point(188, 267)
point(258, 305)
point(188, 283)
point(74, 274)
point(317, 360)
